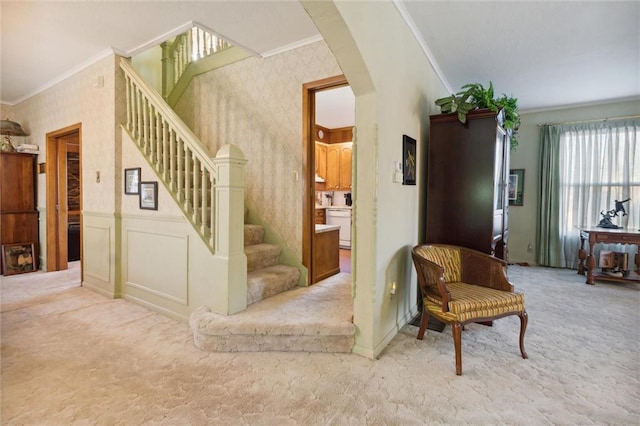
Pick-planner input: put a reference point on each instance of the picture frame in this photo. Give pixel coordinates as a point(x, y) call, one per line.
point(516, 187)
point(18, 258)
point(132, 181)
point(149, 195)
point(409, 160)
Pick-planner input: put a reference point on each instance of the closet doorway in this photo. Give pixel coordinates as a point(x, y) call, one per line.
point(63, 170)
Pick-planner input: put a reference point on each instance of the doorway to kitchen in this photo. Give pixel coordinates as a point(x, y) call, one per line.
point(328, 120)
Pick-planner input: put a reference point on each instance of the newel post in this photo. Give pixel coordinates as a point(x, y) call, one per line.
point(229, 225)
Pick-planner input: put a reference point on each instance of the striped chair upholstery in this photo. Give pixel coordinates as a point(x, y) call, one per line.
point(442, 271)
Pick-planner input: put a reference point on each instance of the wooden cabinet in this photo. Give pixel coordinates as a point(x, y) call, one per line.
point(467, 203)
point(18, 213)
point(321, 160)
point(339, 167)
point(345, 168)
point(321, 216)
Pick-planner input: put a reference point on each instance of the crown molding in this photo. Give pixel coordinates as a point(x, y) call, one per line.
point(423, 44)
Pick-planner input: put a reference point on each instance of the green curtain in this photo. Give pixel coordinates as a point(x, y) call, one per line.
point(584, 169)
point(548, 228)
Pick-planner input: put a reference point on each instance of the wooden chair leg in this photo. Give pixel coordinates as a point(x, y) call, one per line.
point(423, 323)
point(524, 319)
point(456, 330)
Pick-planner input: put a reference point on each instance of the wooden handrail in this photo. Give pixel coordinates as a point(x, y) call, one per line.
point(176, 154)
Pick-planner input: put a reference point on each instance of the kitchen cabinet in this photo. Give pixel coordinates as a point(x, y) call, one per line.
point(19, 216)
point(339, 169)
point(467, 200)
point(321, 160)
point(321, 216)
point(345, 167)
point(326, 252)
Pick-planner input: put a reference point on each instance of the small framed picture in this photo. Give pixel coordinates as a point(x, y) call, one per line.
point(149, 195)
point(132, 181)
point(18, 258)
point(516, 185)
point(408, 160)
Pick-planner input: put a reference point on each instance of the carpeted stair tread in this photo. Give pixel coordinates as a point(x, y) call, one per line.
point(261, 256)
point(268, 282)
point(318, 318)
point(253, 234)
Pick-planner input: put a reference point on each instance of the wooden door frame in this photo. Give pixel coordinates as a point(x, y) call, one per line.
point(308, 163)
point(53, 225)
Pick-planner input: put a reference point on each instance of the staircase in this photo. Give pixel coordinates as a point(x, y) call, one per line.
point(279, 316)
point(265, 276)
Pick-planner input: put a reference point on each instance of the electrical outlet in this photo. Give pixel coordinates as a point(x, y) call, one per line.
point(529, 248)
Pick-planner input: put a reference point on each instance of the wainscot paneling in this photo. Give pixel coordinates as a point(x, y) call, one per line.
point(98, 260)
point(157, 264)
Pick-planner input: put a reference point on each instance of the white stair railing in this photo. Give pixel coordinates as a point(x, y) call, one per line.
point(191, 46)
point(176, 154)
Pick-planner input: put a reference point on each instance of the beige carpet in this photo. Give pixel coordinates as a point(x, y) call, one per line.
point(70, 356)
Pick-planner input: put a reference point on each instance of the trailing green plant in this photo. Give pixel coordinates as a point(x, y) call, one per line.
point(473, 96)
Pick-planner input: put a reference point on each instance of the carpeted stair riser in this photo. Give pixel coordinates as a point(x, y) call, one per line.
point(267, 282)
point(253, 234)
point(261, 256)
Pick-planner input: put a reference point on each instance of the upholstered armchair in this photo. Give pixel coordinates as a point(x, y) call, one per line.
point(460, 286)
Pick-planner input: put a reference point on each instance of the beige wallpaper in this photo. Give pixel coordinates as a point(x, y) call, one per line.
point(79, 99)
point(6, 112)
point(257, 105)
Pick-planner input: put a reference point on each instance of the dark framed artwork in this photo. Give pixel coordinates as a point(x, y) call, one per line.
point(408, 160)
point(516, 185)
point(149, 195)
point(132, 181)
point(18, 258)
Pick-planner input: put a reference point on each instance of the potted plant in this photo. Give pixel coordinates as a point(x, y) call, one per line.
point(474, 96)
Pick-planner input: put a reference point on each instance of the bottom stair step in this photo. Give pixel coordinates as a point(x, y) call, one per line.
point(267, 282)
point(318, 318)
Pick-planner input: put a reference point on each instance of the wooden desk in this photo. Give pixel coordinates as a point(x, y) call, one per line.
point(610, 236)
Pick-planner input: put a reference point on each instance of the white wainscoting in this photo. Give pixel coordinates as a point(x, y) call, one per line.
point(165, 265)
point(157, 263)
point(98, 254)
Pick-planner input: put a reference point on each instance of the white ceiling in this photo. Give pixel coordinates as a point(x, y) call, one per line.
point(547, 54)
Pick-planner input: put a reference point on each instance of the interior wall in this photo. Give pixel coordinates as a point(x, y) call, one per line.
point(149, 65)
point(256, 104)
point(87, 97)
point(395, 87)
point(522, 219)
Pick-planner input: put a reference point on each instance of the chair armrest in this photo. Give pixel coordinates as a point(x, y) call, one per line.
point(484, 270)
point(431, 280)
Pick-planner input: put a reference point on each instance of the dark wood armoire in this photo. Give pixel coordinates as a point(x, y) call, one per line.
point(18, 210)
point(468, 164)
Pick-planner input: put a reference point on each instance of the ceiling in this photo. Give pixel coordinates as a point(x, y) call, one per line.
point(547, 54)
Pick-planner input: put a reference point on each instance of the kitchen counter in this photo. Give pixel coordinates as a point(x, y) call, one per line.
point(326, 228)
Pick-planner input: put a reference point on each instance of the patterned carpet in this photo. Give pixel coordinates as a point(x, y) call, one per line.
point(71, 356)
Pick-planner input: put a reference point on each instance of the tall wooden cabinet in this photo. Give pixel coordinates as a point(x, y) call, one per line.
point(18, 212)
point(466, 202)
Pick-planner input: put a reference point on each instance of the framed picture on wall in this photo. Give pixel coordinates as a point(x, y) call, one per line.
point(132, 181)
point(516, 185)
point(408, 160)
point(149, 195)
